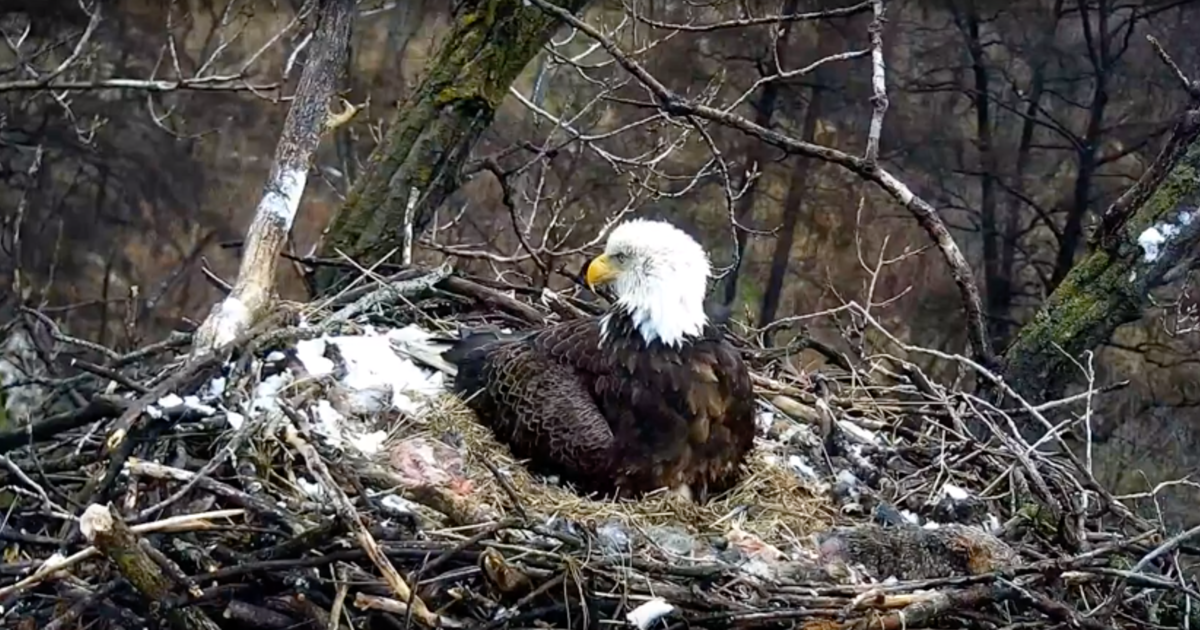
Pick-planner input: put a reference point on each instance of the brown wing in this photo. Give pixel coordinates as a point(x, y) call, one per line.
point(679, 416)
point(720, 398)
point(538, 405)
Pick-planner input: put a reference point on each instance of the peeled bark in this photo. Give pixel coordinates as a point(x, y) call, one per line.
point(430, 136)
point(253, 290)
point(1148, 232)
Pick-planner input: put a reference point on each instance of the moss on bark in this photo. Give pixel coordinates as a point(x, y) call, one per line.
point(1112, 285)
point(432, 132)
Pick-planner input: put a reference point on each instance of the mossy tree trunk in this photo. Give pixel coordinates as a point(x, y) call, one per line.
point(1152, 229)
point(431, 134)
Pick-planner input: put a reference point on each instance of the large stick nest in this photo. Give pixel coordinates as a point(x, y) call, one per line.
point(315, 470)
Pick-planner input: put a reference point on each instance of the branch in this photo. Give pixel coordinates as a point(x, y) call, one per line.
point(864, 167)
point(306, 120)
point(105, 529)
point(861, 7)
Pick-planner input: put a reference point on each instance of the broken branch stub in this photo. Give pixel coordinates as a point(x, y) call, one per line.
point(105, 529)
point(276, 209)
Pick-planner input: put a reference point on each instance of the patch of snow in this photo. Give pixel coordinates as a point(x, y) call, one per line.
point(373, 367)
point(170, 401)
point(275, 357)
point(329, 423)
point(646, 614)
point(955, 492)
point(764, 419)
point(313, 490)
point(216, 388)
point(266, 391)
point(758, 568)
point(311, 353)
point(369, 443)
point(399, 504)
point(796, 463)
point(910, 517)
point(1153, 238)
point(235, 419)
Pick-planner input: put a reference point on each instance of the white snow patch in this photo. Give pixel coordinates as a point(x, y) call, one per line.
point(649, 612)
point(216, 388)
point(1156, 236)
point(266, 391)
point(235, 419)
point(275, 357)
point(329, 423)
point(796, 463)
point(369, 443)
point(954, 492)
point(374, 368)
point(282, 196)
point(764, 419)
point(313, 490)
point(170, 401)
point(399, 504)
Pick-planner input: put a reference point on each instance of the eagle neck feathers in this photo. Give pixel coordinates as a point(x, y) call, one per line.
point(656, 317)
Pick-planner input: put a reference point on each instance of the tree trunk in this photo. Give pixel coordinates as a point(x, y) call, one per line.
point(996, 288)
point(793, 208)
point(431, 134)
point(756, 153)
point(276, 210)
point(793, 204)
point(1111, 286)
point(1102, 62)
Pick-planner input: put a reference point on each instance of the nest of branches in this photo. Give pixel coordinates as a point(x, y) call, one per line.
point(313, 473)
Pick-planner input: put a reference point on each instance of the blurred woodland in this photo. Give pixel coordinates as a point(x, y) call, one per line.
point(135, 142)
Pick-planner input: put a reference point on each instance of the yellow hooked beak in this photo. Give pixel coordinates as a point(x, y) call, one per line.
point(600, 271)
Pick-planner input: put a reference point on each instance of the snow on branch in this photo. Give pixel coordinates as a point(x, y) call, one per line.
point(306, 120)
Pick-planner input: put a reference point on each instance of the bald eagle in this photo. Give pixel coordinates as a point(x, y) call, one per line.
point(646, 396)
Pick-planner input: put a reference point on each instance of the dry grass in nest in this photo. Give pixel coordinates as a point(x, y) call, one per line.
point(770, 502)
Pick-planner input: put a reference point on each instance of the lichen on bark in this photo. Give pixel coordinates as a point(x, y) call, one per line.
point(1111, 286)
point(432, 132)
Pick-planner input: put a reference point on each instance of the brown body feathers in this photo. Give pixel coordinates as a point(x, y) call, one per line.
point(619, 417)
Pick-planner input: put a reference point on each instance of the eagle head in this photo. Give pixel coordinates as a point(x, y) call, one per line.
point(659, 275)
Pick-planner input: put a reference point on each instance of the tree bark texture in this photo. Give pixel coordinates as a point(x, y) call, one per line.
point(285, 185)
point(431, 134)
point(756, 153)
point(1151, 230)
